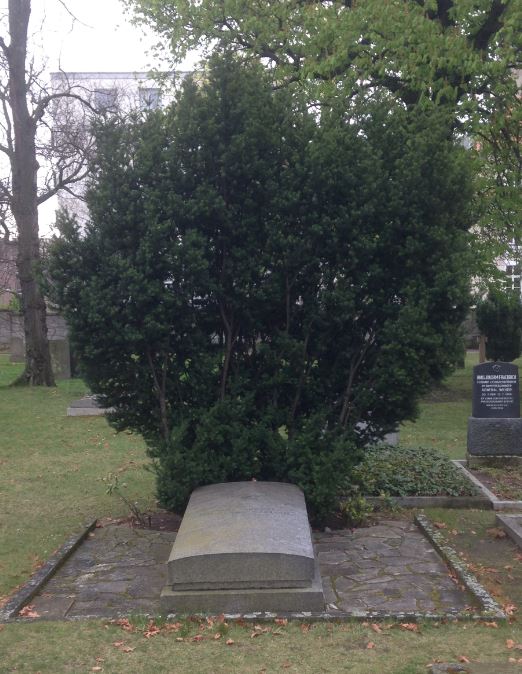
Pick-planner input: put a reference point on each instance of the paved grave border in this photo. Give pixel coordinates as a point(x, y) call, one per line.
point(39, 579)
point(489, 605)
point(512, 525)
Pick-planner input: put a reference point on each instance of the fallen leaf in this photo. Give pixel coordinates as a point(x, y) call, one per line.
point(305, 627)
point(509, 609)
point(229, 642)
point(281, 621)
point(217, 636)
point(376, 628)
point(118, 644)
point(454, 532)
point(463, 658)
point(286, 664)
point(440, 525)
point(509, 643)
point(410, 627)
point(124, 624)
point(152, 630)
point(172, 627)
point(180, 639)
point(496, 532)
point(491, 624)
point(198, 637)
point(370, 644)
point(29, 612)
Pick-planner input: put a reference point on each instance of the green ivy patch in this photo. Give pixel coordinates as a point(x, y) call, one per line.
point(409, 471)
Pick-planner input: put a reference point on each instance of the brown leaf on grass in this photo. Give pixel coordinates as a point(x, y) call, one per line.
point(281, 621)
point(127, 649)
point(490, 624)
point(118, 644)
point(496, 532)
point(410, 627)
point(510, 609)
point(172, 627)
point(440, 525)
point(305, 627)
point(510, 643)
point(286, 664)
point(370, 644)
point(230, 642)
point(28, 612)
point(180, 639)
point(152, 630)
point(464, 659)
point(217, 636)
point(376, 628)
point(454, 532)
point(198, 637)
point(258, 631)
point(124, 624)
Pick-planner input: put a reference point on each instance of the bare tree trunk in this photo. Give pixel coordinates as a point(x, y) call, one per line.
point(38, 371)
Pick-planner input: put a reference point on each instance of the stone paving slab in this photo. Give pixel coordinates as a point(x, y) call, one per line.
point(389, 568)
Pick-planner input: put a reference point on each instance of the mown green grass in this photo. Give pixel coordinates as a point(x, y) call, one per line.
point(51, 470)
point(52, 467)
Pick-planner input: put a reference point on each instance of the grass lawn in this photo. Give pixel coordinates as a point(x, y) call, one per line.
point(51, 471)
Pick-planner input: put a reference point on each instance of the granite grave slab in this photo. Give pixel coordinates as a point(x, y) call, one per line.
point(244, 546)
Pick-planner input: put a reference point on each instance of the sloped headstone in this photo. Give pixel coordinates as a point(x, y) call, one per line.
point(243, 547)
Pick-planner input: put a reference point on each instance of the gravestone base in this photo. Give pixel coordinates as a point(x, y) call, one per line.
point(244, 547)
point(271, 600)
point(498, 461)
point(494, 437)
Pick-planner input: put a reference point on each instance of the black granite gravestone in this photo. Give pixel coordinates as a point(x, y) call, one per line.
point(496, 391)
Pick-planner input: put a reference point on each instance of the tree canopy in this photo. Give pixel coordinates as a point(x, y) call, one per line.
point(259, 292)
point(462, 55)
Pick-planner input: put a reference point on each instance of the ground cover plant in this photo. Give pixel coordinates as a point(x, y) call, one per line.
point(409, 471)
point(259, 294)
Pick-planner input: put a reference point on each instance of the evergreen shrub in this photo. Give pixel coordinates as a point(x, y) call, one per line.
point(258, 291)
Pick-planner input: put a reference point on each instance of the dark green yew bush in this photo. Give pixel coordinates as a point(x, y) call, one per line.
point(254, 281)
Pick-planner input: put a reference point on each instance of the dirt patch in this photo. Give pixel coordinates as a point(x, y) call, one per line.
point(505, 483)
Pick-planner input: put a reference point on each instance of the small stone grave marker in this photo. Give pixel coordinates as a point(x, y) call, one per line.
point(496, 391)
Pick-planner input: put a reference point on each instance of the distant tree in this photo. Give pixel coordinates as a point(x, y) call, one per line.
point(26, 141)
point(260, 295)
point(499, 318)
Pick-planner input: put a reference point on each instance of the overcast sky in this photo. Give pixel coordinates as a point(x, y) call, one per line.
point(88, 36)
point(101, 39)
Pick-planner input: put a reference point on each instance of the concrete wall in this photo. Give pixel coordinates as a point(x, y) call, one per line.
point(11, 326)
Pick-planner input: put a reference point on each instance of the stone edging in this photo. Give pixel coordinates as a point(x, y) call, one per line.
point(431, 501)
point(495, 502)
point(436, 538)
point(511, 525)
point(35, 583)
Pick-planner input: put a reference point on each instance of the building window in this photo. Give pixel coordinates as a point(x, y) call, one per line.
point(513, 276)
point(105, 100)
point(149, 99)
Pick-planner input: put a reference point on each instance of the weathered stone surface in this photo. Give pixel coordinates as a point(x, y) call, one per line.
point(243, 535)
point(474, 668)
point(274, 600)
point(60, 358)
point(496, 390)
point(494, 437)
point(17, 350)
point(87, 406)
